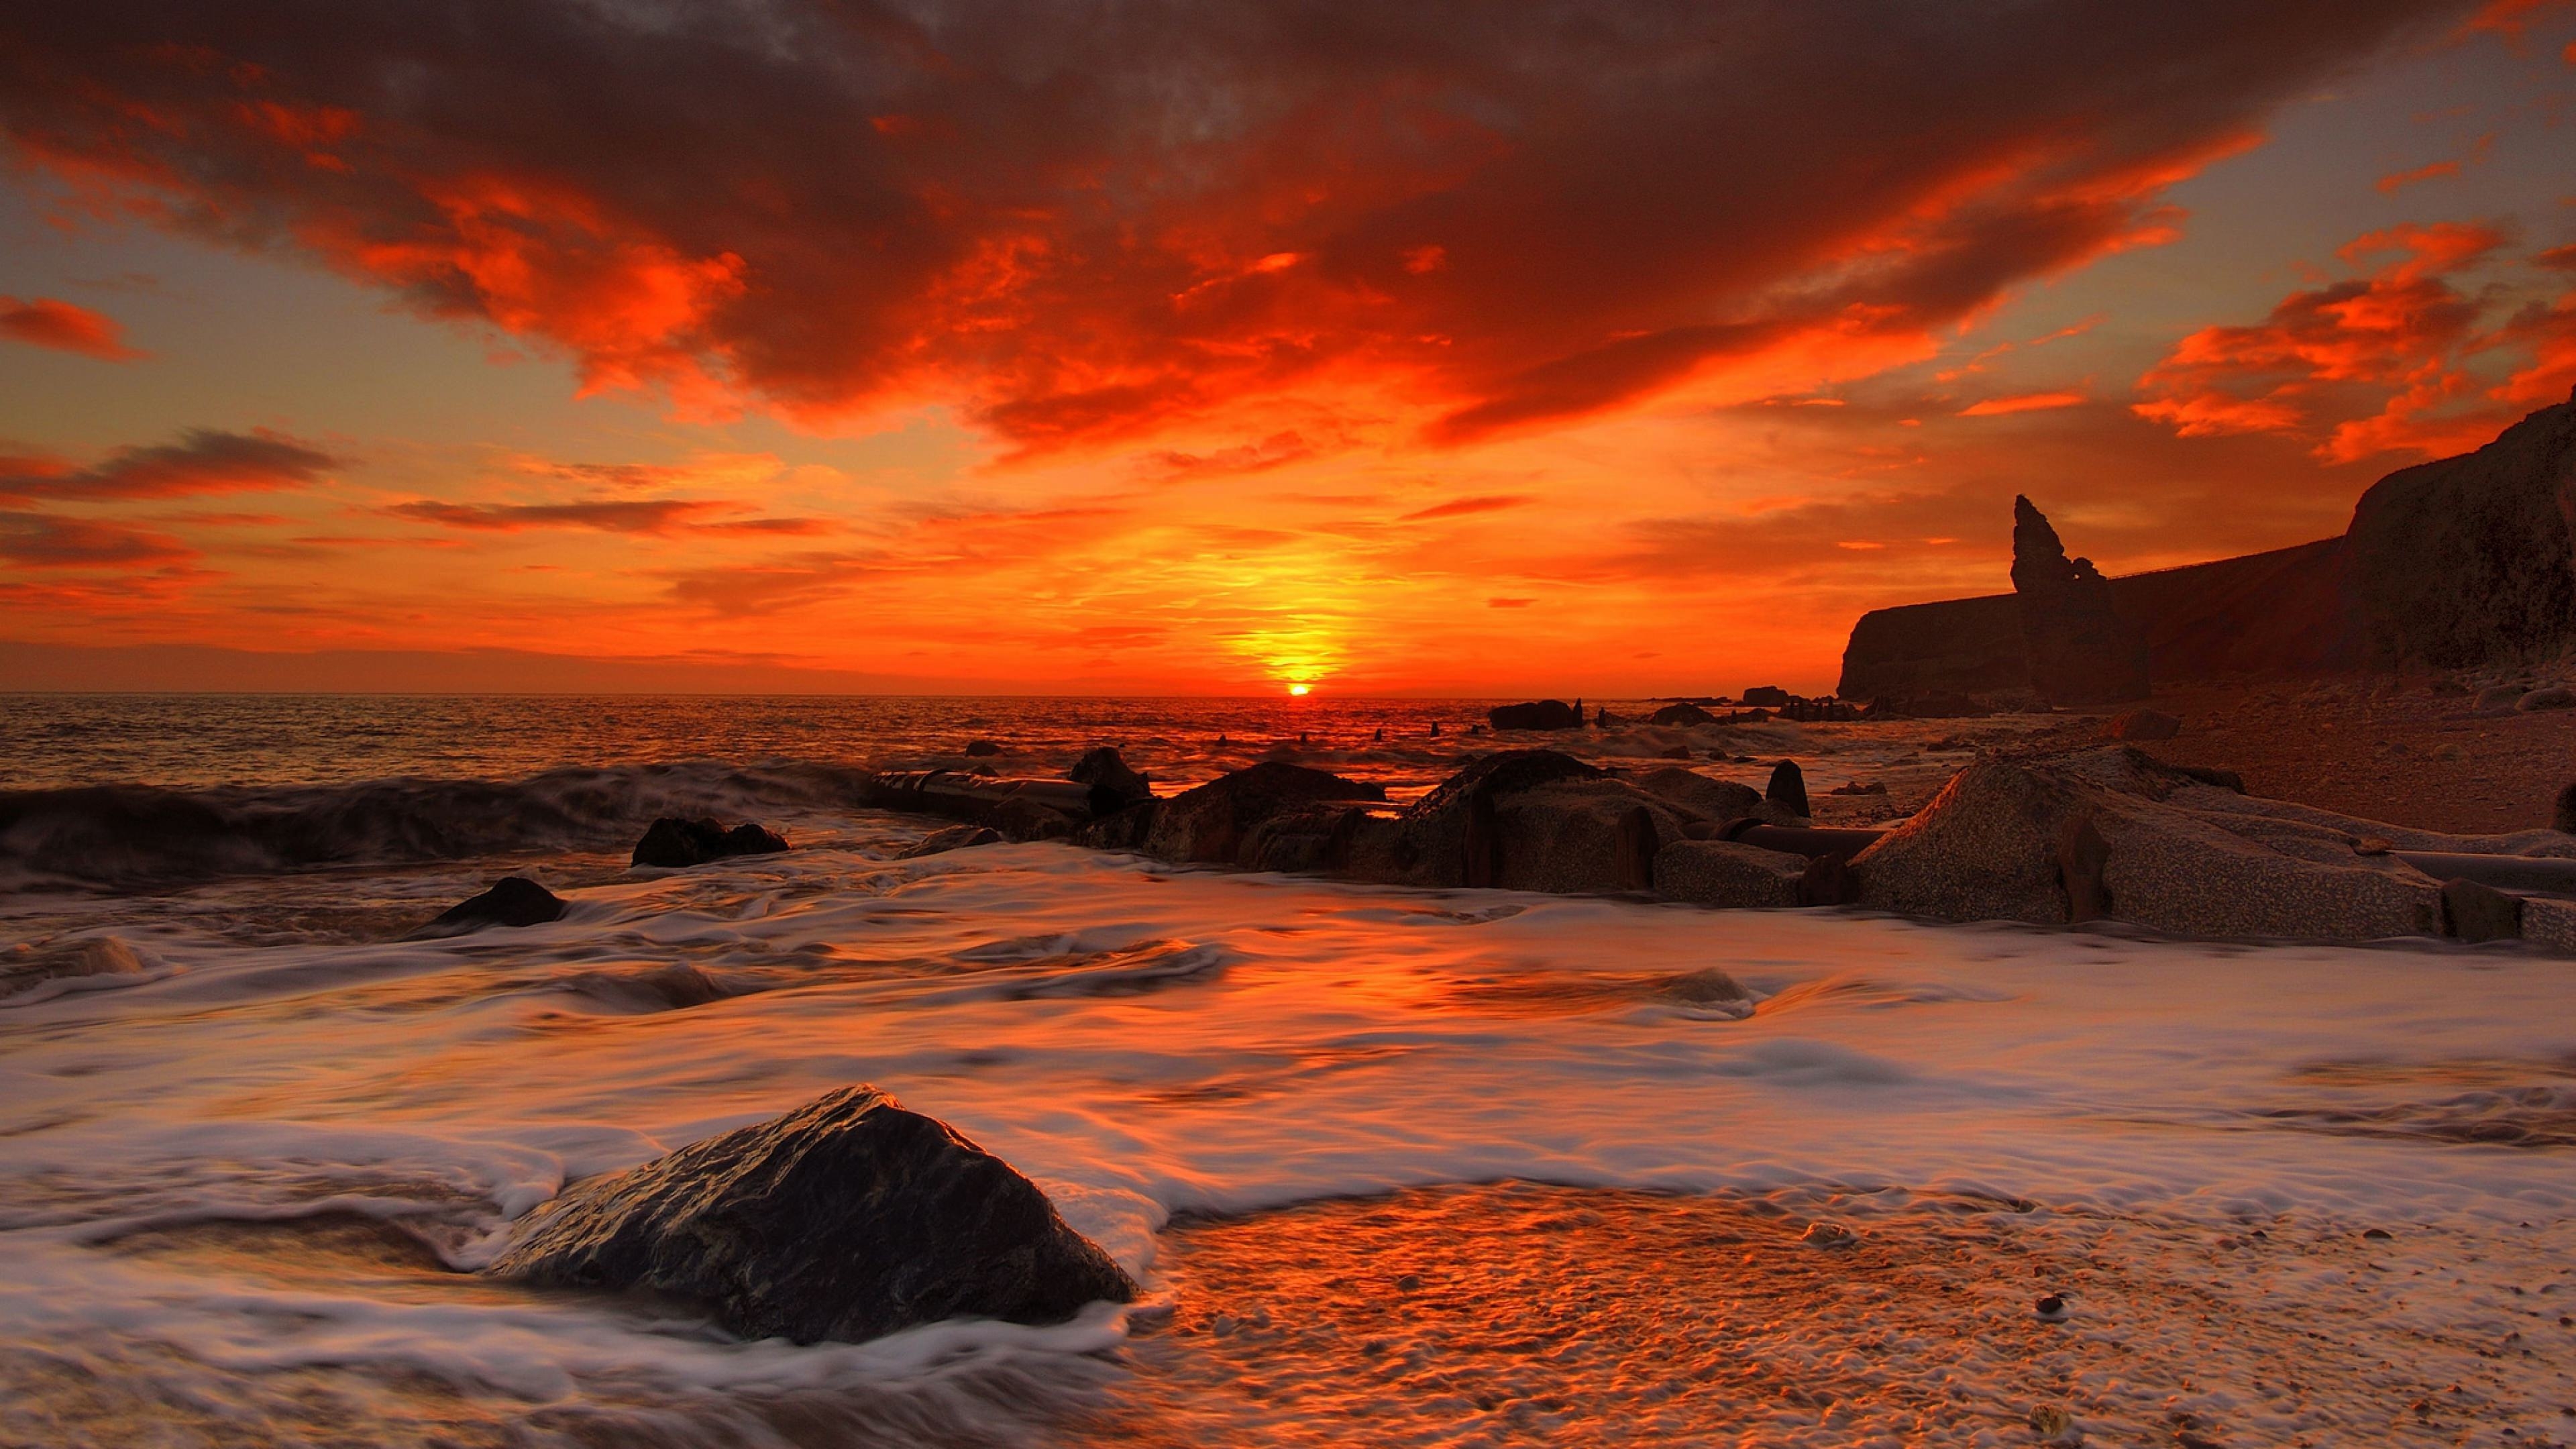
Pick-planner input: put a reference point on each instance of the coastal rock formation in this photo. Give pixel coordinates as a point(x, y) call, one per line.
point(1787, 792)
point(1723, 873)
point(1681, 716)
point(1718, 800)
point(672, 841)
point(2113, 833)
point(1545, 714)
point(2465, 560)
point(512, 901)
point(847, 1219)
point(1213, 823)
point(2081, 651)
point(1114, 786)
point(955, 837)
point(1769, 696)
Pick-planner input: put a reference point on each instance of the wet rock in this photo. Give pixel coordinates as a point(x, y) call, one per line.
point(674, 986)
point(1767, 696)
point(982, 749)
point(2175, 854)
point(1114, 786)
point(1719, 800)
point(1828, 881)
point(25, 965)
point(1681, 716)
point(1212, 823)
point(2477, 913)
point(1788, 789)
point(2143, 725)
point(2562, 818)
point(2052, 1308)
point(1723, 873)
point(2082, 652)
point(2552, 696)
point(1545, 714)
point(847, 1219)
point(1707, 986)
point(1677, 752)
point(1856, 787)
point(512, 901)
point(674, 842)
point(955, 837)
point(1021, 818)
point(1522, 820)
point(2497, 698)
point(1314, 838)
point(1122, 830)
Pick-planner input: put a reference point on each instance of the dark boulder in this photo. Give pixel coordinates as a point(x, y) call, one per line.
point(672, 841)
point(1717, 800)
point(1545, 714)
point(847, 1219)
point(512, 901)
point(1681, 716)
point(2477, 913)
point(2082, 652)
point(982, 749)
point(955, 837)
point(1212, 823)
point(1114, 786)
point(1722, 873)
point(1769, 696)
point(1521, 820)
point(1788, 789)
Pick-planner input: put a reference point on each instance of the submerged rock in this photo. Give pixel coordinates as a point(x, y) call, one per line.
point(512, 901)
point(674, 842)
point(847, 1219)
point(955, 837)
point(1545, 714)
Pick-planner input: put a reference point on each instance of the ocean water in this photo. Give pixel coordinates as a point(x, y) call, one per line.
point(1395, 1166)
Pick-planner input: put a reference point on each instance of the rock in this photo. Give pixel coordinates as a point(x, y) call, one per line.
point(1767, 696)
point(847, 1219)
point(1212, 823)
point(676, 842)
point(2000, 841)
point(2143, 725)
point(1309, 838)
point(955, 837)
point(1545, 714)
point(2467, 560)
point(1828, 881)
point(1723, 873)
point(1681, 716)
point(2476, 913)
point(2553, 696)
point(2563, 817)
point(982, 749)
point(1707, 986)
point(1718, 800)
point(1855, 787)
point(512, 901)
point(1021, 818)
point(1124, 830)
point(2082, 652)
point(2496, 699)
point(1788, 789)
point(1677, 752)
point(1521, 820)
point(1114, 786)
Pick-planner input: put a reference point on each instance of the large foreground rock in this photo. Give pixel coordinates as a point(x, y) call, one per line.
point(1723, 873)
point(2112, 833)
point(848, 1218)
point(673, 841)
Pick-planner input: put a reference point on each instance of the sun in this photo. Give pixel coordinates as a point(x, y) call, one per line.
point(1297, 689)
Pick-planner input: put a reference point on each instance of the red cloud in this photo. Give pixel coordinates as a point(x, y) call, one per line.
point(1463, 507)
point(45, 322)
point(1080, 221)
point(2398, 180)
point(204, 460)
point(2377, 364)
point(2025, 403)
point(608, 515)
point(44, 541)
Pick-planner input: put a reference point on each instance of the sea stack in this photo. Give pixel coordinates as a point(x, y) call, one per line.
point(2082, 652)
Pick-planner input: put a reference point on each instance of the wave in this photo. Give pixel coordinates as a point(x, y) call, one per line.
point(127, 835)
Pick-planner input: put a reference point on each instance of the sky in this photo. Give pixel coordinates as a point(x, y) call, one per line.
point(1610, 348)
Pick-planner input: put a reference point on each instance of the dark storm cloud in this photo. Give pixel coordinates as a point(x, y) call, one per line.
point(1088, 219)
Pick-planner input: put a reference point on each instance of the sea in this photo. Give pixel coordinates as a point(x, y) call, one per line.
point(1393, 1166)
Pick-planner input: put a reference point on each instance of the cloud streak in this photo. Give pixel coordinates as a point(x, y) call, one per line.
point(45, 322)
point(202, 461)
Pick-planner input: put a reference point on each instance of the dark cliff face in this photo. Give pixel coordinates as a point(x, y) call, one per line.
point(2467, 560)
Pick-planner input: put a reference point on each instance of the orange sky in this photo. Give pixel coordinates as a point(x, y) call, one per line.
point(1612, 349)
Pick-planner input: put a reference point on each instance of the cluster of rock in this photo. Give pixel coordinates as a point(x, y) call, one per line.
point(675, 842)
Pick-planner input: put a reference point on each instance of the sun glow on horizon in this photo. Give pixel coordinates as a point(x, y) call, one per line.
point(1298, 688)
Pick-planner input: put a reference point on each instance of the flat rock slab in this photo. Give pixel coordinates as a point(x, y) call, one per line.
point(847, 1219)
